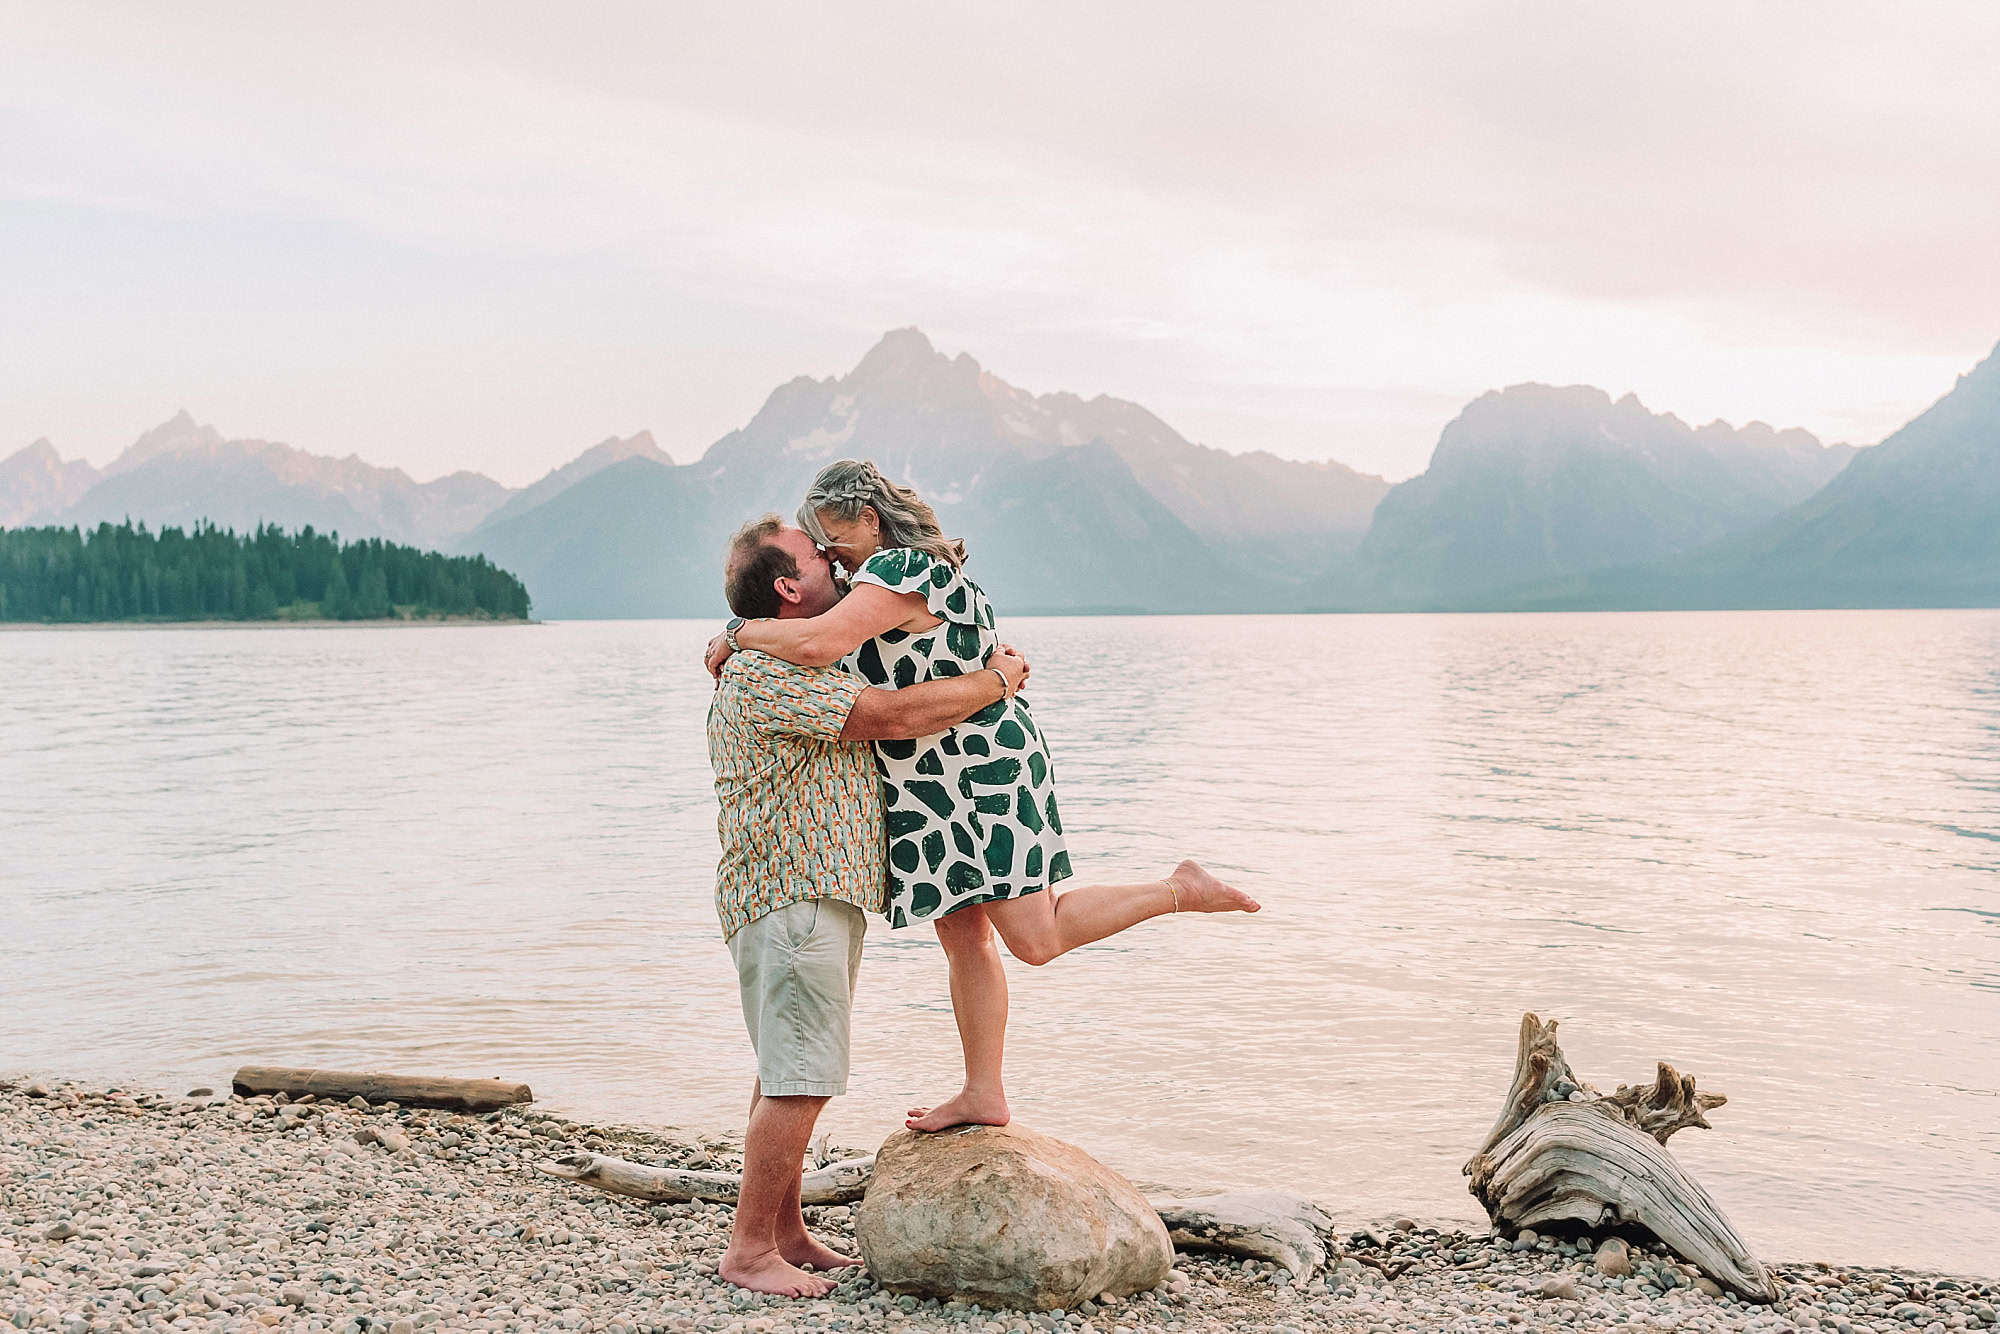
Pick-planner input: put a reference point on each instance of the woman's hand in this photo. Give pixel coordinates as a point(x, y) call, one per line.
point(718, 653)
point(1013, 652)
point(1012, 666)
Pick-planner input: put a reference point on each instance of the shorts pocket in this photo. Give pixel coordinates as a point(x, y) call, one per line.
point(801, 921)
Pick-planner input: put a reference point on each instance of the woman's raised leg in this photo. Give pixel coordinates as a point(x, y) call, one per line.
point(1041, 927)
point(979, 1005)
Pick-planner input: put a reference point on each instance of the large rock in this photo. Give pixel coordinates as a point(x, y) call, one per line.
point(1003, 1216)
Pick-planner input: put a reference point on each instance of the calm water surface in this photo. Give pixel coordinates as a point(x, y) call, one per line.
point(1760, 845)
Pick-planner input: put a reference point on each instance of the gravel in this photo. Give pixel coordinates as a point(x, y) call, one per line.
point(124, 1210)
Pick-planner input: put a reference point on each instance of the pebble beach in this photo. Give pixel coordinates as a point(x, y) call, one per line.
point(132, 1210)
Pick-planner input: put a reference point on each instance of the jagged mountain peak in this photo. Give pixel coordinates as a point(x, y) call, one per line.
point(898, 353)
point(35, 483)
point(178, 433)
point(606, 453)
point(613, 449)
point(904, 368)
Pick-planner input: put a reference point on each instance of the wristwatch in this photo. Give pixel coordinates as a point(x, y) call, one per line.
point(729, 632)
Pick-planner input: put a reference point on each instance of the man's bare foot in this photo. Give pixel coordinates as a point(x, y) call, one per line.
point(812, 1251)
point(1198, 891)
point(967, 1109)
point(770, 1272)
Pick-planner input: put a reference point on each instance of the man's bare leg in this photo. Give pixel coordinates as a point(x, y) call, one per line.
point(1044, 926)
point(979, 1005)
point(797, 1245)
point(774, 1150)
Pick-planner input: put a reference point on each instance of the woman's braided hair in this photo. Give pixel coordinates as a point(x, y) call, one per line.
point(842, 489)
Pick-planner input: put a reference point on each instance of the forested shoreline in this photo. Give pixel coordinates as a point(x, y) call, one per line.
point(126, 573)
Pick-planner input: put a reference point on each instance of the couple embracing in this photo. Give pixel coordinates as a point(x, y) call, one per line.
point(872, 755)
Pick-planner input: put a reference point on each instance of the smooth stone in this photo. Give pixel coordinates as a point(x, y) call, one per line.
point(61, 1230)
point(1560, 1285)
point(1613, 1258)
point(1006, 1217)
point(203, 1092)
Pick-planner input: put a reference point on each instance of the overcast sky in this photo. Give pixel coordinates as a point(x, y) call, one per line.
point(486, 236)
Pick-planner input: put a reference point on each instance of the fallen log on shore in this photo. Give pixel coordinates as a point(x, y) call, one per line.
point(458, 1095)
point(1563, 1153)
point(843, 1182)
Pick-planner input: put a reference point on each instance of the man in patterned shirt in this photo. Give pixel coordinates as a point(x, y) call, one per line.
point(802, 861)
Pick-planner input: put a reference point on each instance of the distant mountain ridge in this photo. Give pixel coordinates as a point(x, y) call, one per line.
point(182, 471)
point(942, 424)
point(1023, 478)
point(1152, 521)
point(592, 461)
point(35, 480)
point(1535, 497)
point(1535, 483)
point(1914, 521)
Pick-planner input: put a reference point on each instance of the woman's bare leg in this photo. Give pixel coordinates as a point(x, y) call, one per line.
point(1043, 926)
point(979, 1005)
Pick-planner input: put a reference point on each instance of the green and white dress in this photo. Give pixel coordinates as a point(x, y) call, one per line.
point(971, 811)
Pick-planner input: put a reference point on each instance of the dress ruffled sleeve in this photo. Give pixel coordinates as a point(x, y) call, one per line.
point(908, 570)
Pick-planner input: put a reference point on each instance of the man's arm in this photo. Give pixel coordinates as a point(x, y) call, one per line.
point(931, 706)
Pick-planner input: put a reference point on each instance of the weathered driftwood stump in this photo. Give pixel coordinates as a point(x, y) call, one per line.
point(1561, 1152)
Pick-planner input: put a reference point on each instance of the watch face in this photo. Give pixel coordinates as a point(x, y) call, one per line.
point(735, 623)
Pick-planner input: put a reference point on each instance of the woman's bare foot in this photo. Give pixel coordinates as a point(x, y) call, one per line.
point(967, 1109)
point(1198, 891)
point(771, 1272)
point(812, 1251)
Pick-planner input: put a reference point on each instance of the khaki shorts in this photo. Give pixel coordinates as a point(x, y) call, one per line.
point(797, 965)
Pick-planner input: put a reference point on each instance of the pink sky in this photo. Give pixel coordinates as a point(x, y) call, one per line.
point(449, 236)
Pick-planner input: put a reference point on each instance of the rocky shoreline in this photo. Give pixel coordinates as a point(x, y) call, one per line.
point(125, 1210)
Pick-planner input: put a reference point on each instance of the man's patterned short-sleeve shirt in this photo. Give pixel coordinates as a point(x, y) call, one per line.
point(801, 810)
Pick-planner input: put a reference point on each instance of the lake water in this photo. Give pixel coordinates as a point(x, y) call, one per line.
point(1762, 846)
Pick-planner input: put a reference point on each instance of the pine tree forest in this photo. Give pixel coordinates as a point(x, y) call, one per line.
point(127, 573)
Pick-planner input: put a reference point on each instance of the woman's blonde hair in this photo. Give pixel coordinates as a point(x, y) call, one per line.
point(843, 488)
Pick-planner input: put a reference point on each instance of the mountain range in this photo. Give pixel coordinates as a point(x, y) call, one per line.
point(1912, 522)
point(1536, 496)
point(180, 472)
point(1534, 483)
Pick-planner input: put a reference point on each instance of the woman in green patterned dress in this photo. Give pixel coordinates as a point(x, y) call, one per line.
point(974, 832)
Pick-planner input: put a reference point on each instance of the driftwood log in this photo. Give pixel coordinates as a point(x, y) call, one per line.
point(458, 1095)
point(1561, 1152)
point(1287, 1230)
point(843, 1182)
point(1263, 1225)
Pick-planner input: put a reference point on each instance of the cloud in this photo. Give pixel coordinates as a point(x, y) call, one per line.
point(1776, 210)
